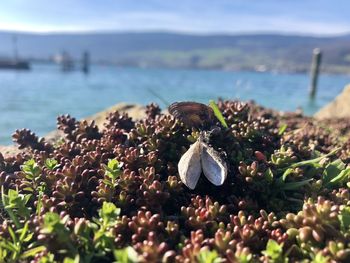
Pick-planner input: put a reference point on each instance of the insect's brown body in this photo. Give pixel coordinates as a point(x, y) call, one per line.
point(193, 114)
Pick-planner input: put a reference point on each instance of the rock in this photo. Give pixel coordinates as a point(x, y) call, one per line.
point(135, 111)
point(54, 136)
point(9, 150)
point(338, 108)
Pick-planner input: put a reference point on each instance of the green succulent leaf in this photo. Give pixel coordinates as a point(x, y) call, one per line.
point(332, 170)
point(31, 169)
point(109, 212)
point(294, 185)
point(344, 218)
point(286, 173)
point(341, 177)
point(113, 169)
point(319, 258)
point(32, 252)
point(282, 129)
point(51, 164)
point(125, 255)
point(14, 201)
point(218, 113)
point(274, 252)
point(76, 259)
point(208, 256)
point(315, 161)
point(269, 175)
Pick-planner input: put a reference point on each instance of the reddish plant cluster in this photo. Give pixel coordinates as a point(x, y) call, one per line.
point(104, 195)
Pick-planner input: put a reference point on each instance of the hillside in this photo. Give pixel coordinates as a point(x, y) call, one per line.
point(155, 49)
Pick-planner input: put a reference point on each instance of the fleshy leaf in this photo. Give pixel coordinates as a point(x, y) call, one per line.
point(218, 113)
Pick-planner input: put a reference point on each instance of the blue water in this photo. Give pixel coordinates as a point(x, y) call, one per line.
point(33, 99)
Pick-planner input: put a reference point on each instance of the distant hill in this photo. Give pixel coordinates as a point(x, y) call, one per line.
point(160, 49)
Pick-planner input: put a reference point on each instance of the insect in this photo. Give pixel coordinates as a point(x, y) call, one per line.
point(200, 157)
point(193, 114)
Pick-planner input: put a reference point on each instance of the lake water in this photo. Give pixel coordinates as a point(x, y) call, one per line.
point(35, 98)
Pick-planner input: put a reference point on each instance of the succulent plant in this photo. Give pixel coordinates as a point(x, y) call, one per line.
point(116, 193)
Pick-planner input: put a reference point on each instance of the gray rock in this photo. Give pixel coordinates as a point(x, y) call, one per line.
point(338, 108)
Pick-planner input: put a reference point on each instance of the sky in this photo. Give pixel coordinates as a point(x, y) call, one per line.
point(304, 17)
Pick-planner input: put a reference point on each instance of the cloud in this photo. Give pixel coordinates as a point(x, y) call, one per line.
point(42, 28)
point(214, 23)
point(193, 16)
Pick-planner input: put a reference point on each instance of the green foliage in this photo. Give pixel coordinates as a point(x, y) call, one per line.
point(16, 247)
point(282, 129)
point(14, 204)
point(51, 164)
point(125, 255)
point(31, 169)
point(112, 169)
point(218, 113)
point(109, 213)
point(41, 189)
point(340, 178)
point(30, 253)
point(332, 170)
point(116, 194)
point(103, 235)
point(12, 249)
point(319, 258)
point(208, 256)
point(269, 175)
point(48, 258)
point(314, 162)
point(245, 258)
point(32, 172)
point(294, 185)
point(274, 252)
point(344, 218)
point(95, 238)
point(54, 225)
point(72, 260)
point(332, 175)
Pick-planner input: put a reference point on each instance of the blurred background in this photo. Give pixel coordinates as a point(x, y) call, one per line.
point(80, 57)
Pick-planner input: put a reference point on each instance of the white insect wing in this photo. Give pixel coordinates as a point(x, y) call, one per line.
point(214, 167)
point(189, 165)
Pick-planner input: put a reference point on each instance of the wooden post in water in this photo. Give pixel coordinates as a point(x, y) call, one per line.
point(86, 62)
point(315, 69)
point(15, 50)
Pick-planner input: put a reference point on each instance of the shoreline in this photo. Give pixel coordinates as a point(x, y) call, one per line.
point(305, 69)
point(135, 111)
point(337, 109)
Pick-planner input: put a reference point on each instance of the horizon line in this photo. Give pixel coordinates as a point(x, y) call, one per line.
point(165, 31)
